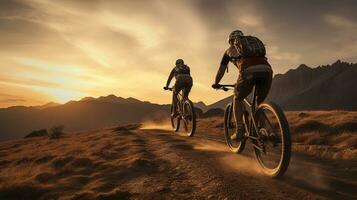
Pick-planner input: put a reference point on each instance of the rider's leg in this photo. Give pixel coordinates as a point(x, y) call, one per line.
point(263, 87)
point(175, 91)
point(177, 88)
point(174, 103)
point(262, 90)
point(188, 86)
point(238, 109)
point(242, 90)
point(186, 91)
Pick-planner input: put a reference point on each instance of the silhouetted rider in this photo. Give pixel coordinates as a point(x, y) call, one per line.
point(247, 53)
point(184, 82)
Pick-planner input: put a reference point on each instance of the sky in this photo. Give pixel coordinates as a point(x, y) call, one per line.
point(65, 50)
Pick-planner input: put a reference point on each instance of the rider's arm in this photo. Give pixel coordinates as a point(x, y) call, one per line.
point(170, 77)
point(222, 68)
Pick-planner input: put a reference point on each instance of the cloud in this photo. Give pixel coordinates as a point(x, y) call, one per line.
point(344, 36)
point(340, 22)
point(6, 98)
point(71, 48)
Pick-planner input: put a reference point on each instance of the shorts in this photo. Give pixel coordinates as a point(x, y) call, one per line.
point(183, 82)
point(259, 75)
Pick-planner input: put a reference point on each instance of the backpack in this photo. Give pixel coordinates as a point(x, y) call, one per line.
point(249, 46)
point(183, 69)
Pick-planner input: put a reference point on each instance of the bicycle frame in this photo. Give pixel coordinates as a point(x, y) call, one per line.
point(180, 106)
point(252, 122)
point(181, 99)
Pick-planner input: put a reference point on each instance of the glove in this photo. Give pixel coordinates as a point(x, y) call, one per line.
point(166, 88)
point(216, 86)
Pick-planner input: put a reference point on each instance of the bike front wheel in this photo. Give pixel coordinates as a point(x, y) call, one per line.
point(274, 140)
point(189, 118)
point(230, 129)
point(175, 121)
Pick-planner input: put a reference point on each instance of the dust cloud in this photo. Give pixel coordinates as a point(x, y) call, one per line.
point(230, 160)
point(308, 174)
point(242, 163)
point(161, 125)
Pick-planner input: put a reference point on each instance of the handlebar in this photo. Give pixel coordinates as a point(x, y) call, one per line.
point(225, 87)
point(170, 89)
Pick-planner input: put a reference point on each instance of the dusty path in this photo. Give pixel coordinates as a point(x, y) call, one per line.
point(226, 175)
point(127, 163)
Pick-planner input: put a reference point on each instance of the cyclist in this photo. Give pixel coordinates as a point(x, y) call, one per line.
point(184, 82)
point(247, 53)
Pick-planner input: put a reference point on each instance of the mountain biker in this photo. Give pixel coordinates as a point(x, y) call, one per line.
point(247, 53)
point(181, 72)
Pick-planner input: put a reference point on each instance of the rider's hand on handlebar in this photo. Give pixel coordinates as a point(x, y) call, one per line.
point(216, 86)
point(166, 88)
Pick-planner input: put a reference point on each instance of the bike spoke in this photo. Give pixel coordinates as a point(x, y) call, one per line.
point(185, 125)
point(270, 150)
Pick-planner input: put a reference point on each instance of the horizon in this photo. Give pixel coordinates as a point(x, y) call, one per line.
point(144, 100)
point(62, 51)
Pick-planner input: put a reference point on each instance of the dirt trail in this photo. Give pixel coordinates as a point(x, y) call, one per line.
point(239, 176)
point(131, 163)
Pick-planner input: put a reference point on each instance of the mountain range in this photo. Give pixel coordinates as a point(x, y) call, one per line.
point(87, 113)
point(326, 87)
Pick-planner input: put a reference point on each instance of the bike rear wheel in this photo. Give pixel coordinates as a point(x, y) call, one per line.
point(274, 157)
point(175, 121)
point(230, 128)
point(189, 118)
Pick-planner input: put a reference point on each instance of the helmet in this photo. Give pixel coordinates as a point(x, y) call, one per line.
point(234, 35)
point(179, 62)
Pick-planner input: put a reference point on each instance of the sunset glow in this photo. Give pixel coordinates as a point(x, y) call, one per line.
point(66, 50)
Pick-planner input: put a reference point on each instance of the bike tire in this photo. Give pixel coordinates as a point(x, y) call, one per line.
point(193, 115)
point(228, 113)
point(286, 142)
point(175, 121)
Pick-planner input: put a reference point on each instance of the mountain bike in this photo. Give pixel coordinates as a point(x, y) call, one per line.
point(266, 127)
point(186, 114)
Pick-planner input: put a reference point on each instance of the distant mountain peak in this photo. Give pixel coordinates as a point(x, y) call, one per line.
point(337, 62)
point(340, 63)
point(132, 99)
point(201, 102)
point(48, 105)
point(303, 67)
point(87, 99)
point(111, 98)
point(201, 105)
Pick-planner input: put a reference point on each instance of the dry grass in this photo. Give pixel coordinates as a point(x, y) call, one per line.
point(128, 163)
point(331, 134)
point(56, 132)
point(324, 133)
point(78, 166)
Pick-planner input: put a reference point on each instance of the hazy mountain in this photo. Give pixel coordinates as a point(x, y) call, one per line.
point(201, 106)
point(47, 105)
point(87, 113)
point(328, 87)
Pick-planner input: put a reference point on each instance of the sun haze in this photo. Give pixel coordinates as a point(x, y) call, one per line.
point(66, 50)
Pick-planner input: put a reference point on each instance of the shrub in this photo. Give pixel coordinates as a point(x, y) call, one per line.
point(56, 132)
point(37, 133)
